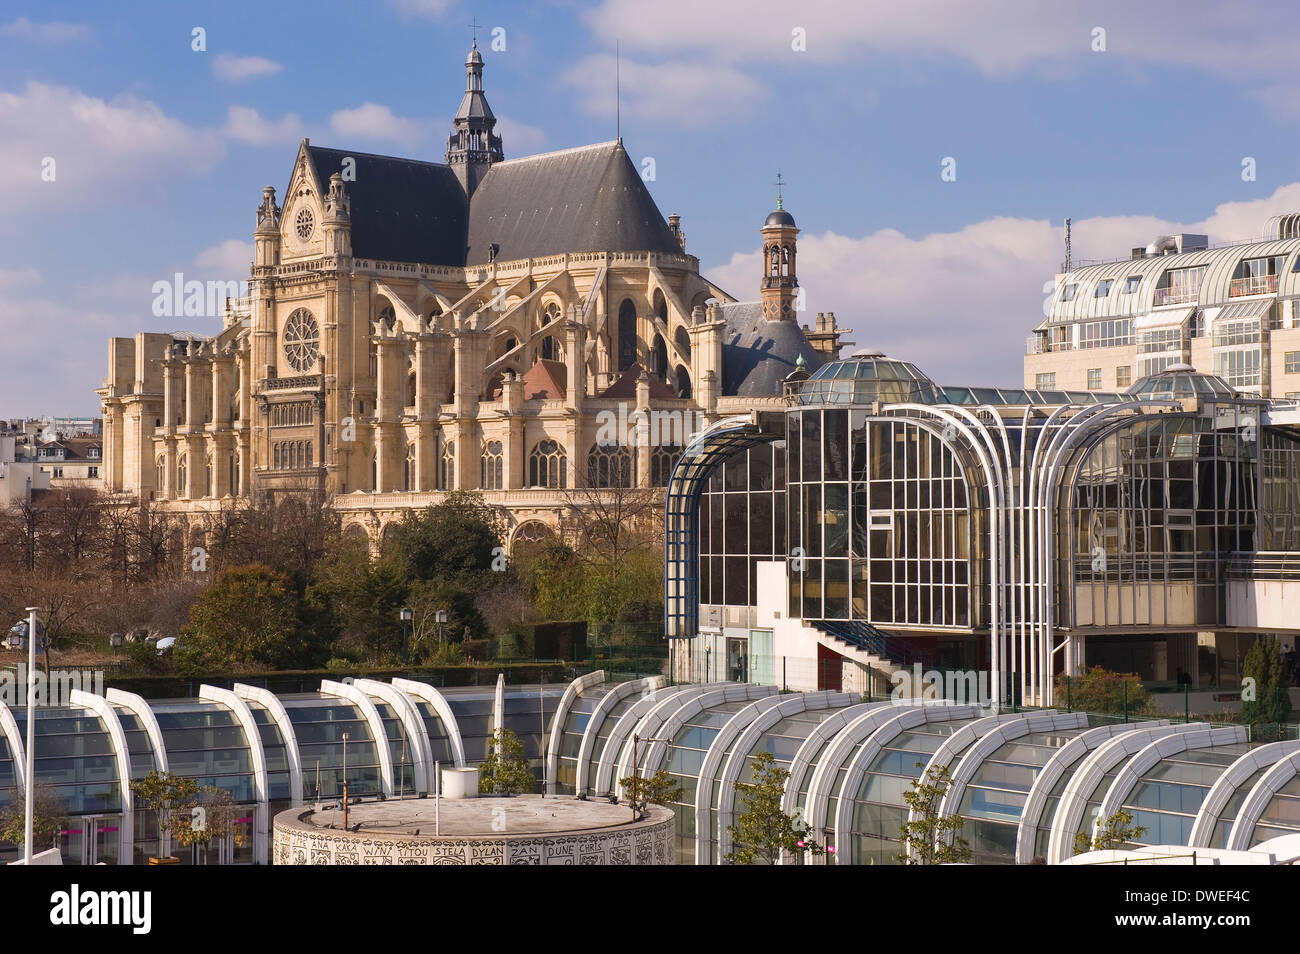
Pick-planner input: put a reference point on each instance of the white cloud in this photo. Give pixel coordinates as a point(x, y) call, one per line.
point(681, 92)
point(421, 9)
point(98, 146)
point(16, 277)
point(519, 139)
point(45, 33)
point(961, 304)
point(372, 121)
point(245, 124)
point(235, 69)
point(230, 258)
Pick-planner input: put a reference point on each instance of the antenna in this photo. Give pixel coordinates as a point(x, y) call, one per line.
point(618, 97)
point(1065, 266)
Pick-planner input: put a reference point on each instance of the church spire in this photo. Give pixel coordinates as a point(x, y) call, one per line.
point(472, 146)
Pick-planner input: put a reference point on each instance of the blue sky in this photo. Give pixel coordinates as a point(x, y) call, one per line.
point(161, 151)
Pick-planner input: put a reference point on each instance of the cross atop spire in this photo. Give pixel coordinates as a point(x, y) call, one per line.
point(780, 182)
point(474, 25)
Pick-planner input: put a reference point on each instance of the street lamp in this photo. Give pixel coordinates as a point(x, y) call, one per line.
point(29, 778)
point(345, 781)
point(407, 615)
point(440, 617)
point(115, 641)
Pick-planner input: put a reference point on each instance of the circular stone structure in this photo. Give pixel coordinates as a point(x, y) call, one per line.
point(524, 830)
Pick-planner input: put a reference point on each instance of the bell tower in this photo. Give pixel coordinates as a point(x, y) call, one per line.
point(780, 280)
point(472, 146)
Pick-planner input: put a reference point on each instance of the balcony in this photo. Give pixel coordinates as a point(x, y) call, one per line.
point(1174, 296)
point(1253, 285)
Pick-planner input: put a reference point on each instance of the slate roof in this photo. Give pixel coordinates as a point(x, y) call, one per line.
point(403, 210)
point(589, 199)
point(757, 354)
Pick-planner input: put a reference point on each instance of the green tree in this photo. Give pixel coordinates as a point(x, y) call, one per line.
point(1100, 690)
point(762, 830)
point(1270, 703)
point(207, 815)
point(1114, 833)
point(248, 619)
point(168, 795)
point(453, 541)
point(659, 789)
point(357, 601)
point(505, 772)
point(49, 816)
point(928, 837)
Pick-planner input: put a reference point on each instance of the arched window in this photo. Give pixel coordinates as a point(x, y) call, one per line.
point(662, 460)
point(627, 349)
point(410, 389)
point(207, 476)
point(182, 485)
point(547, 465)
point(531, 537)
point(611, 466)
point(234, 475)
point(551, 350)
point(659, 359)
point(776, 262)
point(386, 314)
point(374, 470)
point(492, 469)
point(410, 467)
point(161, 473)
point(447, 467)
point(683, 382)
point(550, 312)
point(661, 306)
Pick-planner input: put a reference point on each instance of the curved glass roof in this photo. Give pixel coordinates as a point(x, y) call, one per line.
point(1179, 381)
point(868, 376)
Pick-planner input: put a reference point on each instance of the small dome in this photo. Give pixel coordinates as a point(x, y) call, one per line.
point(781, 218)
point(1178, 381)
point(868, 376)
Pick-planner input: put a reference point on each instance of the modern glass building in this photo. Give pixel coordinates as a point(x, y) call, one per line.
point(270, 752)
point(1026, 783)
point(882, 520)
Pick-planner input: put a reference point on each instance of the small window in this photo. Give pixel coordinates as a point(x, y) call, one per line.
point(1045, 381)
point(1124, 376)
point(1094, 379)
point(1293, 362)
point(1103, 288)
point(1131, 284)
point(1069, 291)
point(92, 472)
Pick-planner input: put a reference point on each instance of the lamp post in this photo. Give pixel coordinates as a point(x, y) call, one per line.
point(115, 641)
point(440, 617)
point(345, 781)
point(407, 615)
point(29, 805)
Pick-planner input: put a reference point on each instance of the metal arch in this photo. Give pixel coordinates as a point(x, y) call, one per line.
point(759, 723)
point(909, 718)
point(280, 716)
point(1089, 776)
point(108, 715)
point(670, 719)
point(974, 757)
point(598, 718)
point(1257, 801)
point(952, 748)
point(438, 702)
point(711, 763)
point(9, 726)
point(682, 514)
point(413, 723)
point(571, 695)
point(623, 728)
point(1159, 749)
point(1062, 761)
point(244, 716)
point(802, 761)
point(141, 709)
point(997, 508)
point(1081, 424)
point(1227, 784)
point(378, 734)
